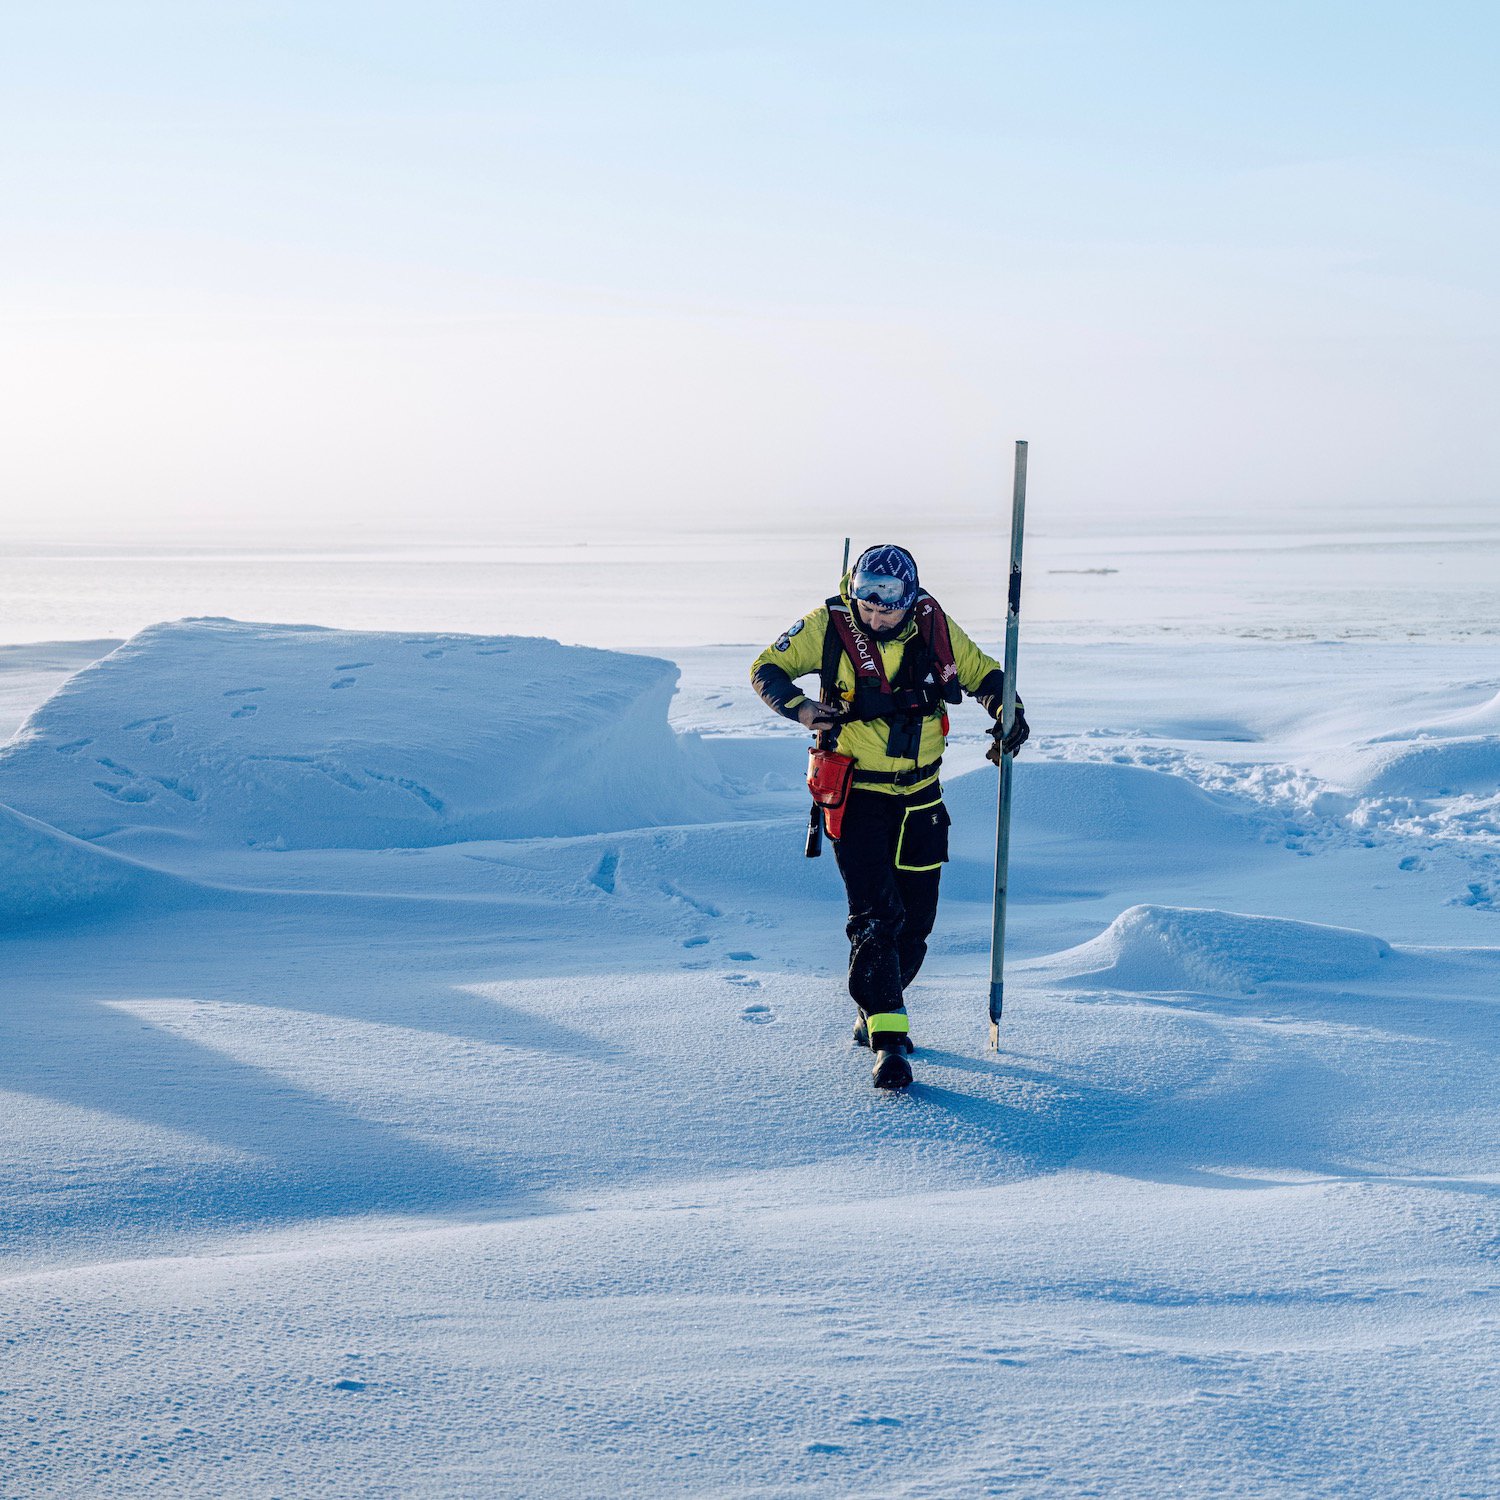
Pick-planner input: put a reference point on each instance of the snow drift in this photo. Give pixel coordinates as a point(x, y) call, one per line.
point(1481, 718)
point(1439, 768)
point(1450, 755)
point(294, 736)
point(1083, 826)
point(1100, 801)
point(1171, 948)
point(44, 873)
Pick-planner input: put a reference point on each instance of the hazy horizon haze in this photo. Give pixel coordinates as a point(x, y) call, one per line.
point(290, 271)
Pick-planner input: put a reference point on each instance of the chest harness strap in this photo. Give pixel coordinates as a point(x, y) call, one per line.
point(926, 679)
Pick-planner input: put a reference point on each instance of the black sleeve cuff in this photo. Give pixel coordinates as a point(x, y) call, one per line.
point(990, 693)
point(777, 690)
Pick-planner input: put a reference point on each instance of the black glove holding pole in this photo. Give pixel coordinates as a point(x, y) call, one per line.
point(1020, 732)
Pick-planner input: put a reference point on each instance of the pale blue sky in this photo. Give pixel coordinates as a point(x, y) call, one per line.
point(456, 265)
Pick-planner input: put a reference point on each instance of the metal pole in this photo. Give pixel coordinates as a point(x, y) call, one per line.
point(1007, 718)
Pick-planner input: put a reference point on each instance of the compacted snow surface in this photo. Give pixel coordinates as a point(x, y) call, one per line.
point(426, 1072)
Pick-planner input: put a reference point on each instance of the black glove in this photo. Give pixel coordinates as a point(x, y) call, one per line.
point(1020, 732)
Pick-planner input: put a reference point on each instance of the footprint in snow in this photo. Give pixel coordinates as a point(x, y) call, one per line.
point(696, 942)
point(159, 728)
point(245, 710)
point(435, 652)
point(703, 908)
point(343, 682)
point(744, 981)
point(353, 666)
point(1479, 895)
point(125, 793)
point(741, 958)
point(241, 692)
point(758, 1015)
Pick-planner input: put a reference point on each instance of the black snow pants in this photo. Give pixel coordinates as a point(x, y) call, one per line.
point(890, 852)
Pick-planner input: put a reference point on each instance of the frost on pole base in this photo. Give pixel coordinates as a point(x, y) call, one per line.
point(997, 1004)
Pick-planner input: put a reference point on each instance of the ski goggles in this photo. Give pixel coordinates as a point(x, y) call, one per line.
point(882, 590)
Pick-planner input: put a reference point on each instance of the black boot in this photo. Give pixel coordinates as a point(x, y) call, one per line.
point(888, 1040)
point(892, 1071)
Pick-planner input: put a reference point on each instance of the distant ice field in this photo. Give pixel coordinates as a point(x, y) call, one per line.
point(1428, 578)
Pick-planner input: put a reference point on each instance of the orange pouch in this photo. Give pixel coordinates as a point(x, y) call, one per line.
point(829, 777)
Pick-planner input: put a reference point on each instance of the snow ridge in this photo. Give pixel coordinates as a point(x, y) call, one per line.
point(45, 873)
point(291, 736)
point(1177, 948)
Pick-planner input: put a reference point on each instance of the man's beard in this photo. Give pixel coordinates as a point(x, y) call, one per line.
point(889, 633)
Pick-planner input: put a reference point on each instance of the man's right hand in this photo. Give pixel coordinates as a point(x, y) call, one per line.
point(812, 714)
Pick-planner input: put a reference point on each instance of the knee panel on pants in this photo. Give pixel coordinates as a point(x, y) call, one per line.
point(876, 928)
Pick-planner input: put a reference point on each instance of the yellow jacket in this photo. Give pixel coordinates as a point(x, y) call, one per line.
point(799, 652)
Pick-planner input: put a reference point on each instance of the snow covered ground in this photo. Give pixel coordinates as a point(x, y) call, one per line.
point(388, 1113)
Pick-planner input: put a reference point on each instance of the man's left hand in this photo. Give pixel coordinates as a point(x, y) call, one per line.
point(1020, 732)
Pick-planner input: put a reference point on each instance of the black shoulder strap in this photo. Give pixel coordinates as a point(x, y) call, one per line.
point(916, 662)
point(828, 682)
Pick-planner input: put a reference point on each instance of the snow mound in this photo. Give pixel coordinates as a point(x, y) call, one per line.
point(1172, 948)
point(1099, 800)
point(44, 872)
point(1090, 815)
point(295, 736)
point(1482, 718)
point(1439, 768)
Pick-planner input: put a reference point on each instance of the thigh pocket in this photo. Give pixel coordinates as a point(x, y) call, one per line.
point(923, 841)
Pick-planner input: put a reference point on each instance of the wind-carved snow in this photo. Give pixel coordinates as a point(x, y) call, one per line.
point(1167, 948)
point(356, 740)
point(1114, 804)
point(1438, 768)
point(44, 872)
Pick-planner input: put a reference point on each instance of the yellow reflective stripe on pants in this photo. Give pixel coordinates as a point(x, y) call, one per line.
point(888, 1020)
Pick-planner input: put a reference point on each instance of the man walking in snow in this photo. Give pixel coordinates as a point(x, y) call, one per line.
point(888, 661)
